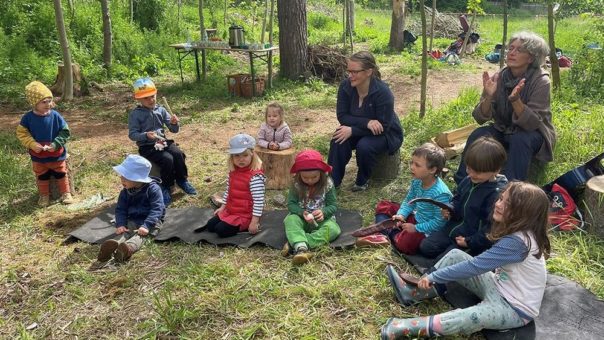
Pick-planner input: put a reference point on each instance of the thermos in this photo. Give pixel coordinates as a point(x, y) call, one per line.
point(236, 36)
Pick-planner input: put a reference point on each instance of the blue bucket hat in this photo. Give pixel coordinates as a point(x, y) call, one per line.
point(240, 143)
point(135, 168)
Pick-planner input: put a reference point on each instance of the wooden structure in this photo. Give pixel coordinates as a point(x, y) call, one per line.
point(593, 205)
point(454, 141)
point(276, 166)
point(387, 167)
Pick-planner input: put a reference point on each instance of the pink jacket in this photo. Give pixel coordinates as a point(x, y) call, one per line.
point(281, 135)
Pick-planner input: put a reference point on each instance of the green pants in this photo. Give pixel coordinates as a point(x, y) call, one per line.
point(297, 230)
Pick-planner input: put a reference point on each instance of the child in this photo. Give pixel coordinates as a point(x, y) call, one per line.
point(146, 126)
point(274, 133)
point(469, 222)
point(417, 220)
point(511, 295)
point(44, 132)
point(244, 194)
point(140, 210)
point(311, 204)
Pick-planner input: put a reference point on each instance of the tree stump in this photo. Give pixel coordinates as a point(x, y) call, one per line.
point(57, 87)
point(593, 205)
point(387, 167)
point(54, 189)
point(276, 166)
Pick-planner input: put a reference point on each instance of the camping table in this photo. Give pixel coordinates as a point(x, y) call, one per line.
point(264, 54)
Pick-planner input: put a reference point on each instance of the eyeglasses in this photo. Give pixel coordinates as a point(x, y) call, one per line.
point(354, 72)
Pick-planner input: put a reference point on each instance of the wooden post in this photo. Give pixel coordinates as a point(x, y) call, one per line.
point(593, 205)
point(387, 167)
point(276, 166)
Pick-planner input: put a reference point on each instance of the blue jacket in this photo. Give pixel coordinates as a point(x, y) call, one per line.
point(143, 206)
point(379, 105)
point(142, 120)
point(473, 207)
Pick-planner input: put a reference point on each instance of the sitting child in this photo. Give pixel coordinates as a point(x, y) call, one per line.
point(509, 278)
point(274, 134)
point(139, 212)
point(469, 222)
point(146, 126)
point(244, 194)
point(418, 219)
point(44, 132)
point(311, 205)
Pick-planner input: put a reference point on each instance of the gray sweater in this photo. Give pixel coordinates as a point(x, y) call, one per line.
point(281, 135)
point(142, 120)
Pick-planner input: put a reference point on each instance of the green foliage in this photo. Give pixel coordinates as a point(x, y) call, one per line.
point(149, 14)
point(574, 7)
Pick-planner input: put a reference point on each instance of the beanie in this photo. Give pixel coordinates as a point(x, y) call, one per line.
point(35, 92)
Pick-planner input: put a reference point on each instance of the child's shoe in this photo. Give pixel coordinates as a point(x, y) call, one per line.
point(66, 198)
point(373, 240)
point(123, 253)
point(107, 249)
point(286, 251)
point(407, 295)
point(187, 187)
point(302, 256)
point(44, 201)
point(357, 188)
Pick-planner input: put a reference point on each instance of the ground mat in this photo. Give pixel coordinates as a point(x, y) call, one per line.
point(568, 311)
point(180, 225)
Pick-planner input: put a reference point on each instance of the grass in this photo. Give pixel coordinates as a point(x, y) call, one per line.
point(207, 292)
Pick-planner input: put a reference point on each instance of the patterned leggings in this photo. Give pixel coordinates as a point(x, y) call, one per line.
point(494, 312)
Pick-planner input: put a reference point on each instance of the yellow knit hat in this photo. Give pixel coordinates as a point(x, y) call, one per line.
point(36, 91)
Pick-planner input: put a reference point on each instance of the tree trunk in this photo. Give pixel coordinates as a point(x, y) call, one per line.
point(505, 34)
point(71, 7)
point(593, 205)
point(131, 11)
point(432, 24)
point(276, 165)
point(202, 26)
point(264, 22)
point(422, 102)
point(293, 42)
point(397, 26)
point(465, 41)
point(350, 15)
point(79, 86)
point(270, 23)
point(68, 75)
point(552, 47)
point(178, 13)
point(107, 35)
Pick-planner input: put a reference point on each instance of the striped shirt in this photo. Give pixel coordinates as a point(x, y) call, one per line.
point(257, 190)
point(428, 216)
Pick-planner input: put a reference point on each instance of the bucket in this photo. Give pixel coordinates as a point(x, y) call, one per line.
point(246, 86)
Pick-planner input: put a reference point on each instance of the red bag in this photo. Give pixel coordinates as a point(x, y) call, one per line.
point(387, 207)
point(564, 61)
point(562, 210)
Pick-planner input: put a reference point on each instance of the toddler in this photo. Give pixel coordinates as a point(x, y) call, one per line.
point(274, 133)
point(311, 205)
point(44, 132)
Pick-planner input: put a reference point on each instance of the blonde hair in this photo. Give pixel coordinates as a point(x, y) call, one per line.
point(256, 163)
point(279, 109)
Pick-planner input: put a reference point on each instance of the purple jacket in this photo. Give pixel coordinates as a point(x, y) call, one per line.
point(281, 135)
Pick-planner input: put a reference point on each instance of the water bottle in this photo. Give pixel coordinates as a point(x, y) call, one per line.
point(188, 44)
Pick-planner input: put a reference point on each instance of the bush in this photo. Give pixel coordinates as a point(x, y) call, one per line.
point(149, 13)
point(587, 73)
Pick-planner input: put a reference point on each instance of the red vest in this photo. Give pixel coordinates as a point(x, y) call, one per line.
point(239, 204)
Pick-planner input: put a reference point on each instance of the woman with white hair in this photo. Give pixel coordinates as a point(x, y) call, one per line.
point(517, 100)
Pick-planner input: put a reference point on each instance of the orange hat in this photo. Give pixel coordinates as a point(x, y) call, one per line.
point(309, 160)
point(144, 87)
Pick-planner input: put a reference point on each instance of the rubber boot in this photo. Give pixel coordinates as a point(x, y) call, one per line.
point(420, 327)
point(406, 294)
point(123, 253)
point(107, 249)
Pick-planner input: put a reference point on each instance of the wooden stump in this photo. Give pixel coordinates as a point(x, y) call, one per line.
point(593, 205)
point(54, 189)
point(57, 87)
point(276, 166)
point(387, 167)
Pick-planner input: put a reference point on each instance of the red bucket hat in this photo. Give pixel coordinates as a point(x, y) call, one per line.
point(309, 160)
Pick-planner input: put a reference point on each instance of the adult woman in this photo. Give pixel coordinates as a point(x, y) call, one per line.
point(367, 119)
point(517, 99)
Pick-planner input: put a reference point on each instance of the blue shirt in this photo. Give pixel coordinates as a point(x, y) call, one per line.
point(427, 215)
point(143, 206)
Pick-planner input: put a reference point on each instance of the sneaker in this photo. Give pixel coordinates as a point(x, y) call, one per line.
point(107, 249)
point(373, 240)
point(357, 188)
point(66, 198)
point(286, 251)
point(123, 253)
point(167, 197)
point(187, 187)
point(302, 256)
point(44, 201)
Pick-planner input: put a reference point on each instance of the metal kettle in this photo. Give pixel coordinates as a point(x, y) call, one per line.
point(236, 36)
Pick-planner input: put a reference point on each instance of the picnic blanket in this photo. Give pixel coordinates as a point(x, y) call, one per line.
point(568, 311)
point(181, 222)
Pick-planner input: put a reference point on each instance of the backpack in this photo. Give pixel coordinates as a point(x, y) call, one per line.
point(563, 212)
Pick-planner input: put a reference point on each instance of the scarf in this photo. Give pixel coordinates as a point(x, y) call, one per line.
point(504, 110)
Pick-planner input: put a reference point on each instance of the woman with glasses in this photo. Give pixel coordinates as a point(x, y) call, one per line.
point(368, 123)
point(517, 101)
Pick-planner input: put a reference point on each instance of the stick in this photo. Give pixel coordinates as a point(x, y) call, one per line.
point(374, 228)
point(166, 105)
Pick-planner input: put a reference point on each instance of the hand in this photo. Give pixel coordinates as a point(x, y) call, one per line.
point(51, 147)
point(121, 230)
point(490, 83)
point(273, 146)
point(446, 214)
point(308, 217)
point(318, 214)
point(399, 220)
point(174, 119)
point(408, 227)
point(375, 126)
point(342, 133)
point(254, 226)
point(37, 147)
point(424, 283)
point(220, 209)
point(151, 135)
point(142, 231)
point(461, 241)
point(516, 91)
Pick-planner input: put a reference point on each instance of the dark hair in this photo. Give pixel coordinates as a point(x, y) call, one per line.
point(276, 106)
point(368, 61)
point(526, 211)
point(485, 155)
point(302, 188)
point(434, 156)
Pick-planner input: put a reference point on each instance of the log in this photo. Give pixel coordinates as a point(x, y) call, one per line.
point(456, 136)
point(387, 167)
point(593, 205)
point(276, 166)
point(54, 189)
point(57, 87)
